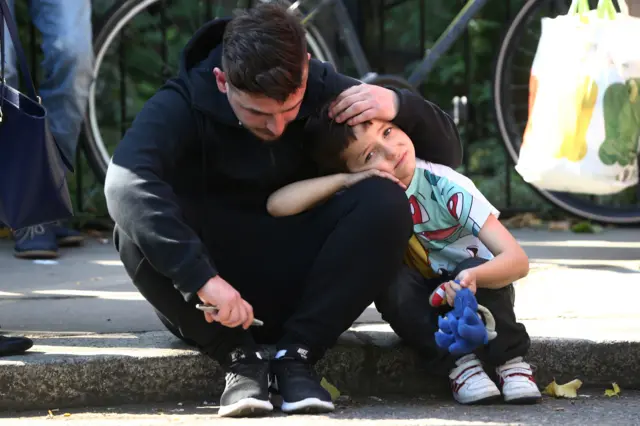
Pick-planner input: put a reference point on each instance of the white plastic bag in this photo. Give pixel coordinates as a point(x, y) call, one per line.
point(583, 132)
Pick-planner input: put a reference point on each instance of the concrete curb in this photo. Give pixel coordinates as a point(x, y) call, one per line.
point(104, 370)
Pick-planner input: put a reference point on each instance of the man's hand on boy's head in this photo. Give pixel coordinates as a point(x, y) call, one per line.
point(364, 102)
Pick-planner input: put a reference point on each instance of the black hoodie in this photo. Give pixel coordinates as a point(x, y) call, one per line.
point(186, 148)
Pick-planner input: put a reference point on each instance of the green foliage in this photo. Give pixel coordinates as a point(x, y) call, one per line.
point(149, 48)
point(466, 70)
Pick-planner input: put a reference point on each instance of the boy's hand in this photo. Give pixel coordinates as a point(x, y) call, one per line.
point(467, 279)
point(451, 288)
point(364, 102)
point(353, 178)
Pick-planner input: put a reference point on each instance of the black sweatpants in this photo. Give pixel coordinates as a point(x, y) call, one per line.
point(405, 306)
point(308, 276)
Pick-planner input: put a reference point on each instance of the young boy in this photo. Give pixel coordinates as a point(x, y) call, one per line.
point(456, 235)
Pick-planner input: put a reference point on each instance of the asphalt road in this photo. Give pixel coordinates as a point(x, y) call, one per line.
point(588, 409)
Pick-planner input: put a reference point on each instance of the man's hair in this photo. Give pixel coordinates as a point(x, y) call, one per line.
point(328, 140)
point(265, 51)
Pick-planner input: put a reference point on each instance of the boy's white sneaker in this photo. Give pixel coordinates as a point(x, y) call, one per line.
point(517, 382)
point(469, 382)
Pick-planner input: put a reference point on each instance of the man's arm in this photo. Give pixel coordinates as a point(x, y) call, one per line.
point(143, 204)
point(433, 132)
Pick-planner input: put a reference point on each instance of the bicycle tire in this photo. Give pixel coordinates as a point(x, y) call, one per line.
point(512, 137)
point(116, 18)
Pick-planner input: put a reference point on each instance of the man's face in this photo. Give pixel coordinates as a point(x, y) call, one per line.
point(383, 146)
point(264, 117)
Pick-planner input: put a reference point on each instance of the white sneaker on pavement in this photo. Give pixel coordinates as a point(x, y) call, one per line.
point(517, 382)
point(469, 382)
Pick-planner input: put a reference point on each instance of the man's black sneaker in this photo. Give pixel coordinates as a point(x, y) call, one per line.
point(14, 345)
point(246, 392)
point(297, 388)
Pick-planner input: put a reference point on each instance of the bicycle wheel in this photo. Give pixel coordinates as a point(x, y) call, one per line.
point(511, 100)
point(136, 49)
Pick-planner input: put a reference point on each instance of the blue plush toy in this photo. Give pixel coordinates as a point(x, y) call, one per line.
point(462, 329)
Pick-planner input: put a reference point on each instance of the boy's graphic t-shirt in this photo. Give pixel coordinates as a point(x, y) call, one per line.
point(448, 212)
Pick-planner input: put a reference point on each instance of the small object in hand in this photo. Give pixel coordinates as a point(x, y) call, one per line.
point(214, 310)
point(462, 330)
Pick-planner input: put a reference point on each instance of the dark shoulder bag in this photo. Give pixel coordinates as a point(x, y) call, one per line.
point(33, 183)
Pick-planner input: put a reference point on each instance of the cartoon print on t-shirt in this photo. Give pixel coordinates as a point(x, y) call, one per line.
point(441, 264)
point(418, 213)
point(443, 217)
point(443, 228)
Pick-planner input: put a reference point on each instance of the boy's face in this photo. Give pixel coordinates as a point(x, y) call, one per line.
point(383, 146)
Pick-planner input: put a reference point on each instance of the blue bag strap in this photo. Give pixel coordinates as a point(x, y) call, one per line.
point(5, 16)
point(2, 49)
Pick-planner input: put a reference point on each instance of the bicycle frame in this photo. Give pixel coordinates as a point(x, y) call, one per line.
point(450, 35)
point(446, 40)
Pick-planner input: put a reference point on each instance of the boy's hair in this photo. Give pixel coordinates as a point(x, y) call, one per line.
point(265, 51)
point(328, 140)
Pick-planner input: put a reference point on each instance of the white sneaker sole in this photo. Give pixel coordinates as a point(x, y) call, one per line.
point(523, 397)
point(248, 407)
point(307, 406)
point(486, 396)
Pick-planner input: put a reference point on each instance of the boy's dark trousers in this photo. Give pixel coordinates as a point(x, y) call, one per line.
point(405, 306)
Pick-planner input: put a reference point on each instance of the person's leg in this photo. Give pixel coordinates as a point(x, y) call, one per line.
point(10, 73)
point(14, 345)
point(11, 345)
point(308, 277)
point(234, 349)
point(363, 234)
point(512, 340)
point(507, 350)
point(356, 244)
point(405, 306)
point(214, 339)
point(68, 65)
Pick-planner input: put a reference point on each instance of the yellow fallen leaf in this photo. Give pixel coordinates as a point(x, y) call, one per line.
point(67, 414)
point(613, 392)
point(568, 390)
point(333, 391)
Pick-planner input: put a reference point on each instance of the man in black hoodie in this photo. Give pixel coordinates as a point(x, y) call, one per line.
point(187, 188)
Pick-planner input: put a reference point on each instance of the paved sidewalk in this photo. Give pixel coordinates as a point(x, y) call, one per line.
point(589, 409)
point(97, 339)
point(580, 286)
